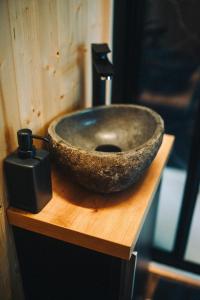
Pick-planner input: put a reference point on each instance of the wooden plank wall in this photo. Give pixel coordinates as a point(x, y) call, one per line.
point(45, 70)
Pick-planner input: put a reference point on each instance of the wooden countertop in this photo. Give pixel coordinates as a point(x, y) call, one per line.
point(106, 223)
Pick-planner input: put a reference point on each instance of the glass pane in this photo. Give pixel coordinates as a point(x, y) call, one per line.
point(169, 207)
point(167, 81)
point(193, 246)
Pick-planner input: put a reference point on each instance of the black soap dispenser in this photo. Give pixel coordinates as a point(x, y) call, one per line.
point(28, 174)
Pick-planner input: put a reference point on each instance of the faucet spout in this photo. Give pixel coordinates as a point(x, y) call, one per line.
point(102, 70)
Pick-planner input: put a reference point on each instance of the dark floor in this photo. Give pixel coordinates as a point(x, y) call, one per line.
point(175, 291)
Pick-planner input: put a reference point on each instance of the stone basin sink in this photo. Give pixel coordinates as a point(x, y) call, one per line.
point(107, 148)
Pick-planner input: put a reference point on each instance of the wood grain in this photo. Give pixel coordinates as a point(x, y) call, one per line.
point(45, 71)
point(106, 223)
point(10, 281)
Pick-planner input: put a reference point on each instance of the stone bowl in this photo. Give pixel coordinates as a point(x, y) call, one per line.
point(107, 148)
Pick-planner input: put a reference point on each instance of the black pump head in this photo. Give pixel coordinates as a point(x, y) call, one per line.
point(26, 148)
point(25, 141)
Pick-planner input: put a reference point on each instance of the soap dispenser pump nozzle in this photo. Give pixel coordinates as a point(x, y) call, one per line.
point(25, 141)
point(26, 148)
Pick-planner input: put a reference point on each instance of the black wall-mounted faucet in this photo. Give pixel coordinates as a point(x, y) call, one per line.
point(102, 70)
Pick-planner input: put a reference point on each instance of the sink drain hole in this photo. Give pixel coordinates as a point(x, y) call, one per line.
point(108, 148)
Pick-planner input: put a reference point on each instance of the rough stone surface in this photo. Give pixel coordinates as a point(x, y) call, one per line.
point(136, 130)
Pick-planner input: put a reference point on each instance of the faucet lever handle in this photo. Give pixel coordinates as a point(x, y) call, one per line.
point(100, 49)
